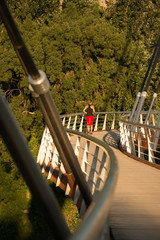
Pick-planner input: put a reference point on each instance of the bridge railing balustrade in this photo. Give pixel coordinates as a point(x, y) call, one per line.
point(99, 166)
point(102, 121)
point(142, 139)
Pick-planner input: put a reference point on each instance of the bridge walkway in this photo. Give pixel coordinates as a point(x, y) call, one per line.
point(135, 212)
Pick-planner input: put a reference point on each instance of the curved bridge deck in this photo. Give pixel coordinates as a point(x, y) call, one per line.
point(135, 212)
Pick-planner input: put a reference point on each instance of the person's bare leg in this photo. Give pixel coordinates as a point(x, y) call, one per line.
point(91, 128)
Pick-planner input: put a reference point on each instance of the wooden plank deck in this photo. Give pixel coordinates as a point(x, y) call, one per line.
point(135, 212)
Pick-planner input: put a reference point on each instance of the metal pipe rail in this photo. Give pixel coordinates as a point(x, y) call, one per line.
point(99, 165)
point(142, 140)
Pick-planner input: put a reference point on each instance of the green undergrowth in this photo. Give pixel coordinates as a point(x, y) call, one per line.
point(68, 209)
point(20, 216)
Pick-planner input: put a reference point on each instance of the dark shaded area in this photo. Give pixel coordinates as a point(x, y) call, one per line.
point(112, 138)
point(34, 226)
point(40, 229)
point(8, 230)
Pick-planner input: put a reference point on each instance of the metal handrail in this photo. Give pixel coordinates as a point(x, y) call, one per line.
point(81, 113)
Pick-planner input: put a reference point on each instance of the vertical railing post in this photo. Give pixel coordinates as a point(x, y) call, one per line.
point(96, 124)
point(69, 122)
point(81, 124)
point(104, 123)
point(122, 134)
point(150, 157)
point(140, 147)
point(113, 122)
point(127, 137)
point(63, 122)
point(75, 122)
point(85, 157)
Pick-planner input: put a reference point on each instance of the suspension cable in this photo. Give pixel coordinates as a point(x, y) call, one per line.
point(157, 89)
point(137, 107)
point(150, 64)
point(157, 55)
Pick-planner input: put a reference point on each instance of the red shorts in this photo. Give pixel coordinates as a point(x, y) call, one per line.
point(89, 120)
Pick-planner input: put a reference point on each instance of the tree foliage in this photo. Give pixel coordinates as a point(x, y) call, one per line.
point(85, 52)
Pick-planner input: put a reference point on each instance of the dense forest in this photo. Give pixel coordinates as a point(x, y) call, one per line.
point(87, 51)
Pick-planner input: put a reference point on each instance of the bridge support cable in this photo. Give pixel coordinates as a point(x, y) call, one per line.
point(135, 113)
point(26, 163)
point(144, 93)
point(40, 87)
point(152, 102)
point(141, 96)
point(134, 106)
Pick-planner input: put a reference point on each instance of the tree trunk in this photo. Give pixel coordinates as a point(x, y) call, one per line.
point(102, 3)
point(60, 5)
